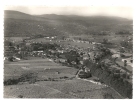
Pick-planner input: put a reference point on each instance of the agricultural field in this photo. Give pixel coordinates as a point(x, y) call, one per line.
point(50, 80)
point(71, 43)
point(15, 39)
point(113, 38)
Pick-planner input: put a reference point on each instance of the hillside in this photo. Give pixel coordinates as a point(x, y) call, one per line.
point(21, 24)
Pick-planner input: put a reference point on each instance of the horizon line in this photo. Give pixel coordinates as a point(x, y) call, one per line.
point(70, 14)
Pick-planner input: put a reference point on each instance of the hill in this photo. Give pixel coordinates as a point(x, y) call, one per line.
point(21, 24)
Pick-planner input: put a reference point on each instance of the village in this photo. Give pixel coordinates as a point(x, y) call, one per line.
point(67, 54)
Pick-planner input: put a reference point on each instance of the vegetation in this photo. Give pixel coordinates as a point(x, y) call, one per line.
point(28, 77)
point(105, 41)
point(20, 24)
point(108, 78)
point(127, 44)
point(123, 33)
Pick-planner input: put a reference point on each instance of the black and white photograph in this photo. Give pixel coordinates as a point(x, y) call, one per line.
point(68, 52)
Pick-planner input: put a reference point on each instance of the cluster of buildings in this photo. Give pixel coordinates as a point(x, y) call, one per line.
point(65, 54)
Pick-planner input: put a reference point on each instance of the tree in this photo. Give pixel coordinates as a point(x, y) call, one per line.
point(80, 39)
point(122, 50)
point(77, 61)
point(125, 65)
point(105, 41)
point(11, 58)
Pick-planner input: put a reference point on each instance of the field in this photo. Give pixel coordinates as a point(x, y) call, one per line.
point(16, 39)
point(51, 81)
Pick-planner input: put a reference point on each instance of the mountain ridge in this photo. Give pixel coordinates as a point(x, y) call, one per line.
point(44, 15)
point(21, 24)
point(7, 12)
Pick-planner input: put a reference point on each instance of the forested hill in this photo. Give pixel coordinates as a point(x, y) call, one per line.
point(21, 24)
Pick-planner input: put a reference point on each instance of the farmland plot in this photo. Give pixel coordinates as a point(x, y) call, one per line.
point(50, 80)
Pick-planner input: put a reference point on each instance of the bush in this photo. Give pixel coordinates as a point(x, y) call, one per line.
point(105, 41)
point(11, 82)
point(28, 77)
point(97, 72)
point(11, 59)
point(105, 74)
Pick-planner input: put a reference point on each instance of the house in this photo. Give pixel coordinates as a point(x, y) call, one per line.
point(47, 37)
point(14, 58)
point(41, 51)
point(60, 51)
point(73, 62)
point(93, 42)
point(81, 62)
point(82, 74)
point(52, 51)
point(127, 54)
point(85, 57)
point(17, 58)
point(98, 43)
point(113, 51)
point(87, 42)
point(116, 55)
point(94, 47)
point(28, 44)
point(5, 58)
point(91, 55)
point(52, 37)
point(62, 60)
point(87, 70)
point(107, 61)
point(129, 62)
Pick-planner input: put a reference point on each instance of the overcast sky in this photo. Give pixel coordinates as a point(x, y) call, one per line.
point(120, 11)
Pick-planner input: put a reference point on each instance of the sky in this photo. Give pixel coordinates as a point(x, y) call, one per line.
point(120, 8)
point(120, 11)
